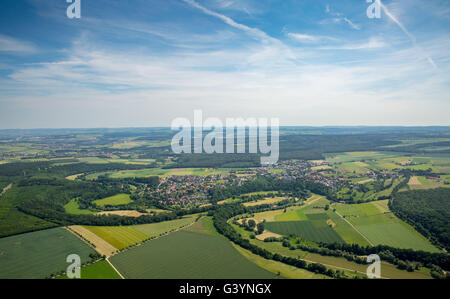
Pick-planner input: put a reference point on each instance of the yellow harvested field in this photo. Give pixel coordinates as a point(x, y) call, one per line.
point(414, 181)
point(264, 202)
point(362, 164)
point(331, 223)
point(127, 213)
point(101, 246)
point(321, 167)
point(313, 199)
point(73, 177)
point(267, 234)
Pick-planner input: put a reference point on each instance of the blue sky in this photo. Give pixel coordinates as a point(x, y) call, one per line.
point(147, 62)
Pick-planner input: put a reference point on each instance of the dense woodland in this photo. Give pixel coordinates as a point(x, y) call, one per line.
point(428, 211)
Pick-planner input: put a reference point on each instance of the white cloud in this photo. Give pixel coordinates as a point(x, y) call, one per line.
point(339, 18)
point(373, 43)
point(309, 38)
point(9, 44)
point(410, 35)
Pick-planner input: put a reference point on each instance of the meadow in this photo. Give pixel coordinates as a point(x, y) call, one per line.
point(72, 207)
point(99, 270)
point(119, 199)
point(383, 227)
point(39, 254)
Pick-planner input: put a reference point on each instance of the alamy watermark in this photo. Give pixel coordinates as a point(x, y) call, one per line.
point(374, 269)
point(74, 9)
point(74, 269)
point(374, 9)
point(213, 142)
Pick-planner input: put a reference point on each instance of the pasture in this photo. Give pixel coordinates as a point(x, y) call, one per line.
point(375, 222)
point(72, 207)
point(119, 199)
point(98, 270)
point(39, 254)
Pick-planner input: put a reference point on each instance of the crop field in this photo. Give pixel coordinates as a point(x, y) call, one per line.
point(296, 215)
point(204, 226)
point(285, 271)
point(39, 254)
point(186, 255)
point(357, 156)
point(98, 270)
point(72, 208)
point(165, 172)
point(119, 199)
point(120, 237)
point(101, 246)
point(266, 201)
point(156, 229)
point(387, 270)
point(314, 230)
point(346, 232)
point(382, 227)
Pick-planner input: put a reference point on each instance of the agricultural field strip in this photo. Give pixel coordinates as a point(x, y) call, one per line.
point(339, 267)
point(178, 229)
point(101, 246)
point(5, 189)
point(79, 237)
point(115, 269)
point(355, 228)
point(155, 238)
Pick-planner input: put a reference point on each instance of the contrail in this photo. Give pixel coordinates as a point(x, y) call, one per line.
point(403, 28)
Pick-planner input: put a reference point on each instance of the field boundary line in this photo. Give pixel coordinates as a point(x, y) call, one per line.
point(354, 228)
point(81, 238)
point(151, 239)
point(115, 269)
point(338, 267)
point(6, 189)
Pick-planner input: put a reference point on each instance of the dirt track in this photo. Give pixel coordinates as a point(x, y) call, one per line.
point(101, 246)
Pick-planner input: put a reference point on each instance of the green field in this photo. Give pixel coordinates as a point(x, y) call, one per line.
point(187, 255)
point(120, 237)
point(284, 271)
point(381, 227)
point(119, 199)
point(39, 254)
point(315, 230)
point(204, 225)
point(167, 172)
point(72, 208)
point(98, 270)
point(156, 229)
point(346, 232)
point(12, 221)
point(291, 216)
point(387, 270)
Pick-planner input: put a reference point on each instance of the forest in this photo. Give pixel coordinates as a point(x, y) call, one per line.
point(428, 211)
